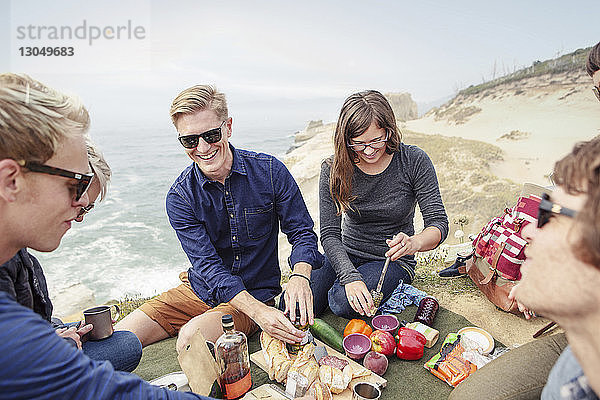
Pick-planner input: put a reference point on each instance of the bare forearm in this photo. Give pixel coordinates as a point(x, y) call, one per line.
point(246, 303)
point(429, 238)
point(268, 318)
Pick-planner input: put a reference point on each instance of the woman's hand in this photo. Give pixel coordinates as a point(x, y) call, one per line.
point(401, 245)
point(360, 298)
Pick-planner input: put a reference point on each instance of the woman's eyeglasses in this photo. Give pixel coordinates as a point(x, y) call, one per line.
point(547, 208)
point(376, 144)
point(83, 180)
point(210, 136)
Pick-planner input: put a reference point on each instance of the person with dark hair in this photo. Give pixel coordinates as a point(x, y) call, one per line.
point(368, 191)
point(568, 237)
point(547, 367)
point(593, 66)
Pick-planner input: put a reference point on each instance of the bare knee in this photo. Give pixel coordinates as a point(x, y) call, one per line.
point(145, 328)
point(208, 324)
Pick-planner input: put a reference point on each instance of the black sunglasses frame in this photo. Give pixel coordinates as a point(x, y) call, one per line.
point(83, 180)
point(211, 136)
point(547, 208)
point(85, 210)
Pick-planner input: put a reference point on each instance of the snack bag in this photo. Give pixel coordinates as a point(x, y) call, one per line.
point(448, 364)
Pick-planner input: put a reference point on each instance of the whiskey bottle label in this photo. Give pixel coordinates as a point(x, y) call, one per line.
point(238, 388)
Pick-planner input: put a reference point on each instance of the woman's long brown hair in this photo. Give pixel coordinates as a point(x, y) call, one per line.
point(357, 114)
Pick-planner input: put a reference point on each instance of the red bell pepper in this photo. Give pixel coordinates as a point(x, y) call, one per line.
point(410, 344)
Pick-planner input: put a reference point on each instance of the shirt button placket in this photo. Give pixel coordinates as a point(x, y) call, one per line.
point(233, 226)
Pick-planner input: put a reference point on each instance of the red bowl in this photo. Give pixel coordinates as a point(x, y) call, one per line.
point(356, 345)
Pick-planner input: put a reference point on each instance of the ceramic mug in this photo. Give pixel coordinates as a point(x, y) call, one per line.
point(101, 317)
point(366, 391)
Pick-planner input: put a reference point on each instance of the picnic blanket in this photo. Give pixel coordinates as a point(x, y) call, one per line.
point(406, 379)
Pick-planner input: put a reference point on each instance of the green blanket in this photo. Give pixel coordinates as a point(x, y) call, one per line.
point(406, 379)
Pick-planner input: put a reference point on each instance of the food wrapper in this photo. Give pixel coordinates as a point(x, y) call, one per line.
point(449, 364)
point(473, 352)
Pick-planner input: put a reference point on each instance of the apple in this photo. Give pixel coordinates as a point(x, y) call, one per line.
point(376, 362)
point(383, 342)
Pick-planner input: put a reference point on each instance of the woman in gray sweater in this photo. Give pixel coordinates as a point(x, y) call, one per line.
point(368, 192)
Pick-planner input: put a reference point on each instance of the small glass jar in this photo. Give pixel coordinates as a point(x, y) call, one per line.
point(426, 312)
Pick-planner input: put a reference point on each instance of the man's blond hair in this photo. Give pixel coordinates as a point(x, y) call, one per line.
point(100, 167)
point(199, 98)
point(34, 118)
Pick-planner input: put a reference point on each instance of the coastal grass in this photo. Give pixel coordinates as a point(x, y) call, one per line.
point(470, 192)
point(428, 280)
point(572, 62)
point(129, 303)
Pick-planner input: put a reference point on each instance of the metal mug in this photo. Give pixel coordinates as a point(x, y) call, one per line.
point(101, 317)
point(366, 391)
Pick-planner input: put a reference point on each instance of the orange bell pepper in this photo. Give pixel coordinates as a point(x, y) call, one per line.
point(357, 326)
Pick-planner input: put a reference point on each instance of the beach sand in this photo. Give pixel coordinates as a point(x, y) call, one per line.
point(552, 113)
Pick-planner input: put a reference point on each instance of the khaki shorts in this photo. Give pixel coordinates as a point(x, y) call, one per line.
point(175, 307)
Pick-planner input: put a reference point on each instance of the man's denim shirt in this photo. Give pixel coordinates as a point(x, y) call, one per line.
point(229, 232)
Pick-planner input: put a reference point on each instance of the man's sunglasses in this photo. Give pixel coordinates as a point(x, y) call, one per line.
point(210, 136)
point(547, 208)
point(85, 210)
point(83, 180)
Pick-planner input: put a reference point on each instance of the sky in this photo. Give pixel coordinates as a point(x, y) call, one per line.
point(274, 54)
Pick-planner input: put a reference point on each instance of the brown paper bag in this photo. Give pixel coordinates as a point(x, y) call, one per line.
point(198, 364)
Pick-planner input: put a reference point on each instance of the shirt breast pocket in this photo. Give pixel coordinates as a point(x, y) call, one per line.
point(259, 221)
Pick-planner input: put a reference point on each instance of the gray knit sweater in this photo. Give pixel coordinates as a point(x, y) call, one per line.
point(386, 206)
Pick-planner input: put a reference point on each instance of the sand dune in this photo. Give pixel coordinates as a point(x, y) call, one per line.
point(549, 113)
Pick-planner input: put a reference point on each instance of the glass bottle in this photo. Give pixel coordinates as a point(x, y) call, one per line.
point(426, 311)
point(295, 348)
point(231, 351)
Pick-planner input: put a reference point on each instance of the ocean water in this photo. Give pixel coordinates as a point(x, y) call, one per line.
point(126, 245)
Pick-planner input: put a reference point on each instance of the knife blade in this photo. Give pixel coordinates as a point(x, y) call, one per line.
point(320, 352)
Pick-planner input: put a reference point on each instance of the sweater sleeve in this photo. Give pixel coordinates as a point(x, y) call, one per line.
point(331, 232)
point(427, 190)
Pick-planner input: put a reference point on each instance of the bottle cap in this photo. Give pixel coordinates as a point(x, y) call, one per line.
point(227, 321)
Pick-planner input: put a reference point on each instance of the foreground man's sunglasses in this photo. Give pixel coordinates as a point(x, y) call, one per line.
point(83, 180)
point(547, 208)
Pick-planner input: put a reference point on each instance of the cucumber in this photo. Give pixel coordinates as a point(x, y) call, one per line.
point(326, 333)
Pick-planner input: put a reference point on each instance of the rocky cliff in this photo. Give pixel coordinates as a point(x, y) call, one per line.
point(403, 105)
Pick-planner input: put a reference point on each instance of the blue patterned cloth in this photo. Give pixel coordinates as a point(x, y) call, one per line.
point(404, 295)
